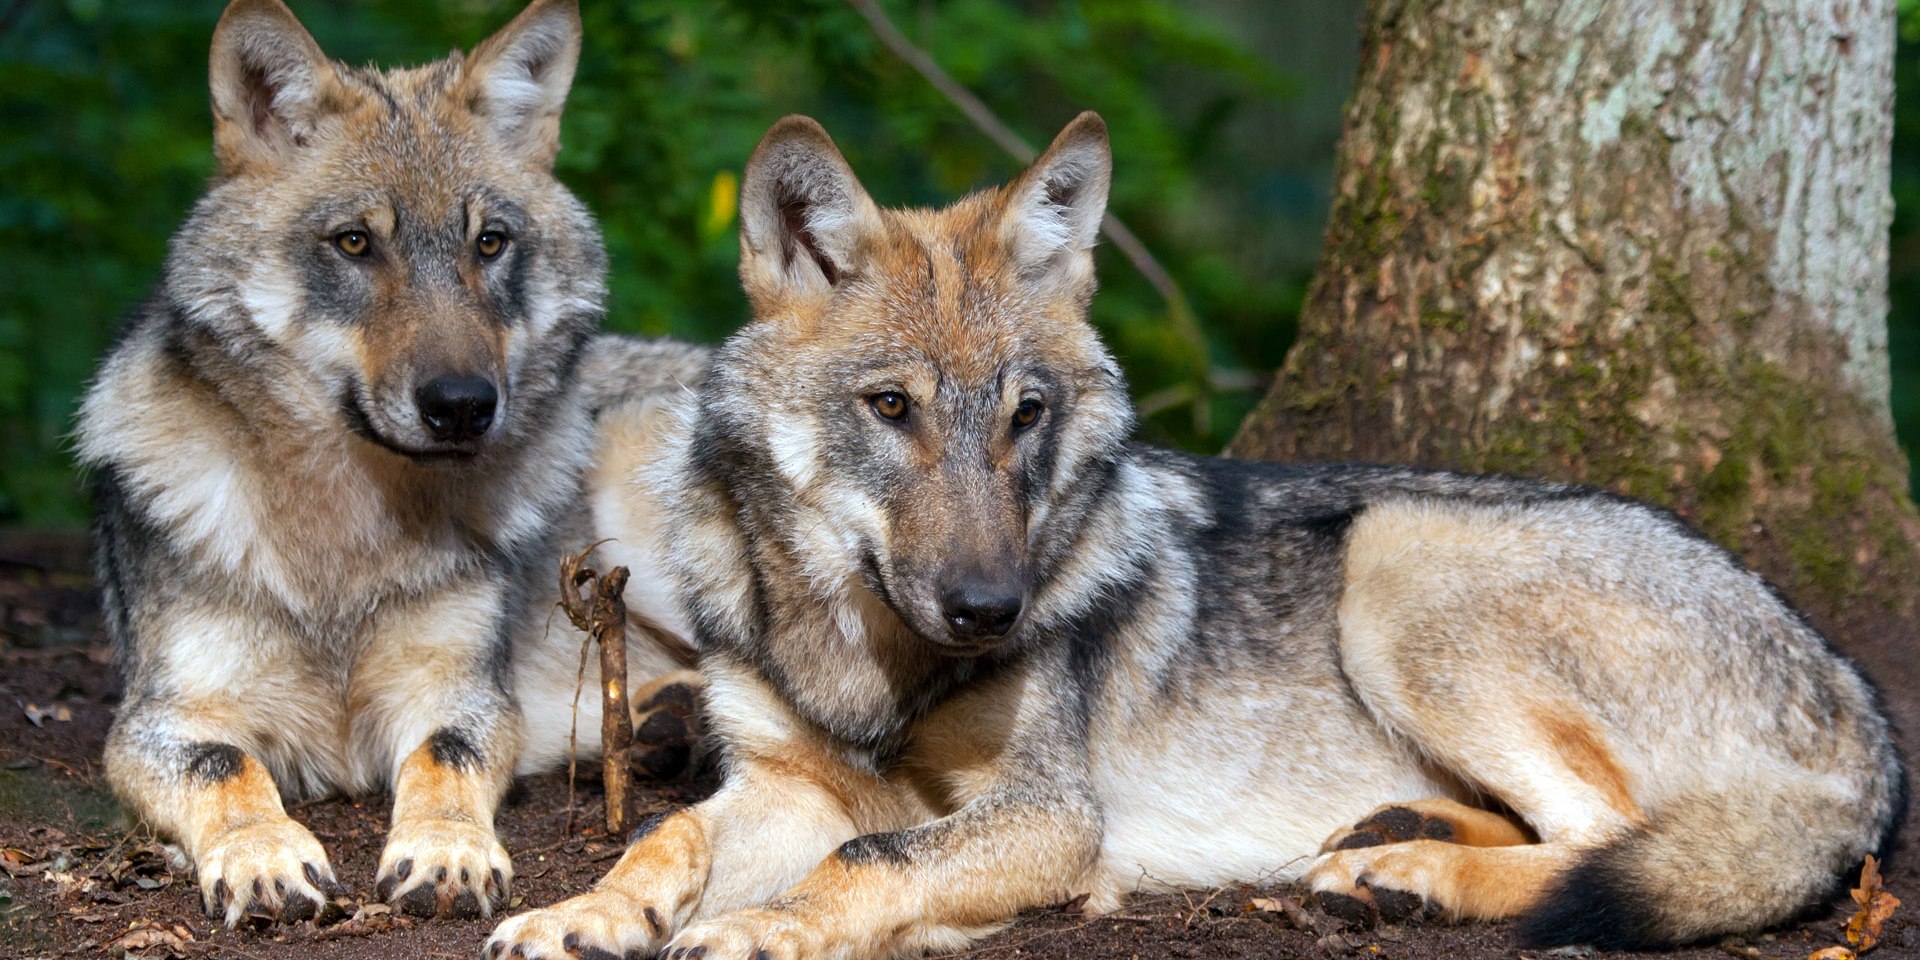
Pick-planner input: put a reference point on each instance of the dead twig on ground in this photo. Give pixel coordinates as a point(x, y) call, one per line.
point(595, 603)
point(573, 726)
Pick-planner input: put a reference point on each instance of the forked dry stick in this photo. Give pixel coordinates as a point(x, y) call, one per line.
point(595, 603)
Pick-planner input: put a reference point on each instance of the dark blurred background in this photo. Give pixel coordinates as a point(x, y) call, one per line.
point(1224, 117)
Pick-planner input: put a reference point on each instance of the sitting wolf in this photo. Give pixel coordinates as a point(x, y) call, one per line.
point(338, 453)
point(969, 650)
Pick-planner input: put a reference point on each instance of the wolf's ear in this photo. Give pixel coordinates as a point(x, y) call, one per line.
point(1054, 208)
point(804, 217)
point(270, 85)
point(518, 78)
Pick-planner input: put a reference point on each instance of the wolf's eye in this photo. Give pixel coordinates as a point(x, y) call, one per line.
point(889, 404)
point(490, 244)
point(1026, 413)
point(353, 243)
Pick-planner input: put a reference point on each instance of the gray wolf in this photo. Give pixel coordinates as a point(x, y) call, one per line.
point(969, 650)
point(338, 452)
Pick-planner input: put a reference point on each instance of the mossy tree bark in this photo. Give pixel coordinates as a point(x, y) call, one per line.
point(1637, 244)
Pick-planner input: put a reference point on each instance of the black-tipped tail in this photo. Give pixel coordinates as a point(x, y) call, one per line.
point(1750, 857)
point(1595, 904)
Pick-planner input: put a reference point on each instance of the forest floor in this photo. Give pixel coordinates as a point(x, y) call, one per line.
point(75, 881)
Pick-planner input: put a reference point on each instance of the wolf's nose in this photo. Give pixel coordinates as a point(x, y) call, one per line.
point(980, 610)
point(457, 407)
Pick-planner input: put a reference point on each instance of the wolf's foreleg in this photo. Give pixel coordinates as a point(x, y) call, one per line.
point(171, 764)
point(442, 857)
point(434, 702)
point(935, 886)
point(788, 800)
point(749, 841)
point(1026, 833)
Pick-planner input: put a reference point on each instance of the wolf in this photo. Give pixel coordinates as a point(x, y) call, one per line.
point(338, 452)
point(969, 649)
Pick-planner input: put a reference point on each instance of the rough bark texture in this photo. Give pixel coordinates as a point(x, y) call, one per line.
point(1638, 244)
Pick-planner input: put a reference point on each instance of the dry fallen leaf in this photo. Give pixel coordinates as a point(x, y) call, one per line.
point(1288, 908)
point(20, 863)
point(1831, 953)
point(1876, 905)
point(39, 715)
point(1076, 905)
point(152, 936)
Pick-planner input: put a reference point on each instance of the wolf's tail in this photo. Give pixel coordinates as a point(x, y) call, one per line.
point(1747, 858)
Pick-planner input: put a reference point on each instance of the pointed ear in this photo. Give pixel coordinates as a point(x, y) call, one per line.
point(271, 85)
point(804, 218)
point(1054, 208)
point(518, 78)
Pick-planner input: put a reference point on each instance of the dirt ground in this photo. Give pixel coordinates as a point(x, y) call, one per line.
point(76, 881)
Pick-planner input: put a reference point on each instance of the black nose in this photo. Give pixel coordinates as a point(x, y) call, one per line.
point(981, 609)
point(457, 407)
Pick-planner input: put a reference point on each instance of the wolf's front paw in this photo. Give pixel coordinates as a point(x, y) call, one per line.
point(448, 868)
point(757, 934)
point(273, 871)
point(601, 925)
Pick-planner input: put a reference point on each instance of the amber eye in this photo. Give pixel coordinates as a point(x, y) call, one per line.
point(353, 243)
point(1026, 413)
point(490, 244)
point(890, 404)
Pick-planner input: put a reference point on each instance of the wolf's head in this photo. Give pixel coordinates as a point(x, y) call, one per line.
point(925, 409)
point(390, 247)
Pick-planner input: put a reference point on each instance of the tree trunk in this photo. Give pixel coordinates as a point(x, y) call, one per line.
point(1637, 244)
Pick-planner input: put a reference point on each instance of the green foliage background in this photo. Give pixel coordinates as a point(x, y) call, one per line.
point(1224, 115)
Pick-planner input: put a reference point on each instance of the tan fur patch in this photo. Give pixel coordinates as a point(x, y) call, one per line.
point(427, 790)
point(242, 800)
point(1474, 827)
point(1494, 882)
point(1588, 758)
point(675, 849)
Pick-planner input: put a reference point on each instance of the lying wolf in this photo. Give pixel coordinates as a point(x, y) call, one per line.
point(338, 452)
point(969, 650)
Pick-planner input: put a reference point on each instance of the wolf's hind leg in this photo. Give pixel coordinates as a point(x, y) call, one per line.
point(1402, 868)
point(1446, 639)
point(1424, 878)
point(666, 724)
point(1446, 859)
